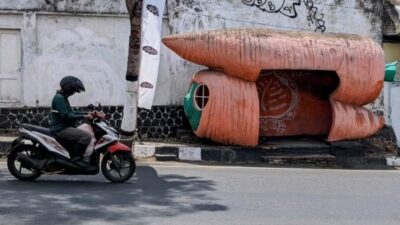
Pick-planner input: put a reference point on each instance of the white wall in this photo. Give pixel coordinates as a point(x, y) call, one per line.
point(10, 62)
point(93, 48)
point(392, 107)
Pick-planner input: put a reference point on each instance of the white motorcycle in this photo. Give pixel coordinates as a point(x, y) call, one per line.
point(37, 151)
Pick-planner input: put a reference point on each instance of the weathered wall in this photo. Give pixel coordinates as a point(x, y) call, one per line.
point(75, 6)
point(76, 36)
point(92, 47)
point(85, 38)
point(391, 18)
point(351, 16)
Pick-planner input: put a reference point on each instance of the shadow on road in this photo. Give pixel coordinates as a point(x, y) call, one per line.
point(74, 200)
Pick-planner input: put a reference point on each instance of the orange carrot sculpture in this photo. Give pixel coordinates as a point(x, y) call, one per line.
point(231, 115)
point(244, 53)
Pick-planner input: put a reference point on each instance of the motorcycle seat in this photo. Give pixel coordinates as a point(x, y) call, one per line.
point(42, 130)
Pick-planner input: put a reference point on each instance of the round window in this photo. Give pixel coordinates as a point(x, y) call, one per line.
point(201, 95)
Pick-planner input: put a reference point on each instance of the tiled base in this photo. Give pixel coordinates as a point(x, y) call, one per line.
point(160, 122)
point(40, 116)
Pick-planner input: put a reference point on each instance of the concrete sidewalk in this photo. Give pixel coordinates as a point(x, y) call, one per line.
point(277, 152)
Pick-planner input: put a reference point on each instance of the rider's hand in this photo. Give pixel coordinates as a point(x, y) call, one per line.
point(100, 114)
point(89, 116)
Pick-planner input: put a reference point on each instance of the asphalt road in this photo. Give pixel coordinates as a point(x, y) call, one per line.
point(176, 193)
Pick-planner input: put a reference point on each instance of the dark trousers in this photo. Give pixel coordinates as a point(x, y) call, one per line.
point(74, 140)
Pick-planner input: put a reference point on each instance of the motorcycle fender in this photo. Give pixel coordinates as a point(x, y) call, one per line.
point(118, 147)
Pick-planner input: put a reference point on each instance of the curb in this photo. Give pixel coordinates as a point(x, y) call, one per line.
point(238, 155)
point(168, 153)
point(322, 156)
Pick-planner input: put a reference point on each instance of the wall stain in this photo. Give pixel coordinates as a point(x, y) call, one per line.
point(72, 6)
point(374, 11)
point(391, 19)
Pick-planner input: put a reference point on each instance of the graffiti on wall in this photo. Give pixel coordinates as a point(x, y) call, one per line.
point(285, 7)
point(289, 8)
point(314, 17)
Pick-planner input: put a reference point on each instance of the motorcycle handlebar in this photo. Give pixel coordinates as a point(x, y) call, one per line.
point(97, 116)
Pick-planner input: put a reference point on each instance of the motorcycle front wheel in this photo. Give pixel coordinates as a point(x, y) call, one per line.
point(18, 168)
point(118, 167)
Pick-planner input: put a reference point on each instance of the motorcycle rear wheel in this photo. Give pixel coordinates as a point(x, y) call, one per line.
point(118, 167)
point(18, 169)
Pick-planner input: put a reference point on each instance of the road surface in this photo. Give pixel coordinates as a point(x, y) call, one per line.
point(174, 193)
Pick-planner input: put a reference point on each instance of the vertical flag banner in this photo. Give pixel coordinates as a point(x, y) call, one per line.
point(152, 14)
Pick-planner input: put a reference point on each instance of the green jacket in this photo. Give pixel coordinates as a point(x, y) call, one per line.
point(62, 115)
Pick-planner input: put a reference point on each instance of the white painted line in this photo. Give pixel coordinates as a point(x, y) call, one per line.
point(393, 161)
point(190, 153)
point(224, 167)
point(7, 139)
point(161, 144)
point(144, 151)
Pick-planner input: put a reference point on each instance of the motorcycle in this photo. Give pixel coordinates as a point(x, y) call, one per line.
point(37, 151)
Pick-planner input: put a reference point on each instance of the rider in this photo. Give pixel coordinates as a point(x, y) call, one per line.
point(64, 119)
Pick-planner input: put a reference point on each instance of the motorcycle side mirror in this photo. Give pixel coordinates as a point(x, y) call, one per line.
point(90, 107)
point(99, 107)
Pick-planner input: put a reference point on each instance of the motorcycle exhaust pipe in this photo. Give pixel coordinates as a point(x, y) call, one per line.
point(33, 164)
point(28, 162)
point(69, 164)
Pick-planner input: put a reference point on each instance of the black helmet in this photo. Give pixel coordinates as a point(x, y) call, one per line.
point(71, 84)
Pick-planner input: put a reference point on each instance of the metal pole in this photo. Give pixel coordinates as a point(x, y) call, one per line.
point(132, 75)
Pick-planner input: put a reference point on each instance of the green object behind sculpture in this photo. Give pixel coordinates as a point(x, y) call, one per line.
point(390, 71)
point(191, 112)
